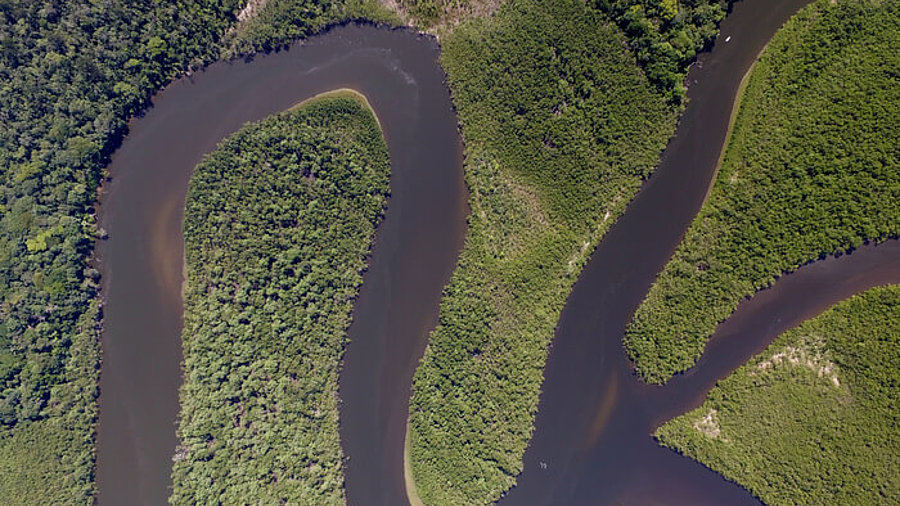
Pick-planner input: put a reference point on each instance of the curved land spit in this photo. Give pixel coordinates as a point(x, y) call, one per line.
point(416, 249)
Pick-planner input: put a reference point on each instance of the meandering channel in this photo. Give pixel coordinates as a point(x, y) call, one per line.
point(592, 443)
point(415, 251)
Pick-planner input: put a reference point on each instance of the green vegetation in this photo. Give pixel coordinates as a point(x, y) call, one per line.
point(280, 22)
point(811, 169)
point(561, 127)
point(278, 223)
point(665, 35)
point(813, 419)
point(71, 72)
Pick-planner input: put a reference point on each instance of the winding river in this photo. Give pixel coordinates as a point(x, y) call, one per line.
point(591, 443)
point(416, 247)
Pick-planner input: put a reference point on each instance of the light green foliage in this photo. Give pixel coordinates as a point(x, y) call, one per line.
point(561, 127)
point(430, 14)
point(813, 419)
point(71, 72)
point(811, 169)
point(278, 223)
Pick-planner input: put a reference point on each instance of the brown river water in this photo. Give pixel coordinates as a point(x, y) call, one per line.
point(592, 442)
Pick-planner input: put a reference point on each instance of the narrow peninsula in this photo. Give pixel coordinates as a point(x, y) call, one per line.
point(279, 221)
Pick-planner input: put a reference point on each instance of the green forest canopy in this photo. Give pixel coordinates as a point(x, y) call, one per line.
point(812, 168)
point(812, 419)
point(278, 223)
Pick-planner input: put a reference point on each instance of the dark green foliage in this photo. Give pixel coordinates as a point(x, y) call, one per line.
point(51, 460)
point(666, 34)
point(813, 419)
point(71, 72)
point(278, 223)
point(812, 168)
point(280, 22)
point(561, 127)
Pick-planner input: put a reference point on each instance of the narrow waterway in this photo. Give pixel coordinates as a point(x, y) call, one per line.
point(416, 248)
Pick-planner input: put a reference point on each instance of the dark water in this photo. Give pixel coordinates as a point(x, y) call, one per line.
point(416, 248)
point(592, 442)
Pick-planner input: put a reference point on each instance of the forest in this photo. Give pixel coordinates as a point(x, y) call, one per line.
point(278, 224)
point(810, 171)
point(71, 73)
point(813, 418)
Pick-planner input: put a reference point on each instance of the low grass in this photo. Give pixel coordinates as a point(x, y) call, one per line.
point(812, 419)
point(279, 222)
point(811, 170)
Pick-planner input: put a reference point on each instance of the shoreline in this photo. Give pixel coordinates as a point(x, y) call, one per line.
point(412, 495)
point(348, 93)
point(732, 120)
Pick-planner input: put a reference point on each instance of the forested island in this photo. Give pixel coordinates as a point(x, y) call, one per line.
point(810, 171)
point(811, 420)
point(278, 223)
point(569, 130)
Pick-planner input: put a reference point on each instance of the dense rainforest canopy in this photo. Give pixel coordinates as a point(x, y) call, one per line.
point(278, 223)
point(812, 168)
point(812, 419)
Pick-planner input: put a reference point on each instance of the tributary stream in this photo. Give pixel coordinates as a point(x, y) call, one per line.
point(592, 442)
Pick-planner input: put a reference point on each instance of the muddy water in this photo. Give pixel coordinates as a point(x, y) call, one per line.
point(415, 252)
point(592, 442)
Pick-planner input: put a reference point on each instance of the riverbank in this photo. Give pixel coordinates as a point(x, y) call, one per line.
point(345, 93)
point(819, 397)
point(279, 223)
point(809, 171)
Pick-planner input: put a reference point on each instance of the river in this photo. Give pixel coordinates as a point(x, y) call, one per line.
point(416, 247)
point(592, 442)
